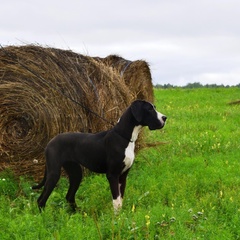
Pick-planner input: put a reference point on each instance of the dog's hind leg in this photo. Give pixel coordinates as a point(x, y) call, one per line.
point(41, 184)
point(74, 172)
point(51, 181)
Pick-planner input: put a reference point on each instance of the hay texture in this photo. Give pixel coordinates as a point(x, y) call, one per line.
point(46, 91)
point(136, 75)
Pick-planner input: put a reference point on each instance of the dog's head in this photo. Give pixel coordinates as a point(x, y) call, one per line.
point(146, 114)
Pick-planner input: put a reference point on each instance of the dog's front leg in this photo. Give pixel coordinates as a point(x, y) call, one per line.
point(122, 182)
point(113, 180)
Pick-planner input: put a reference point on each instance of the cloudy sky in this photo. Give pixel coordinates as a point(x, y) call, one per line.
point(184, 41)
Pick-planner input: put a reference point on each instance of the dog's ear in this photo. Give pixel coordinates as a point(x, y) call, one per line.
point(136, 108)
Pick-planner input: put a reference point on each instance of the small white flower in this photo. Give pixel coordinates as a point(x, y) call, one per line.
point(195, 217)
point(35, 160)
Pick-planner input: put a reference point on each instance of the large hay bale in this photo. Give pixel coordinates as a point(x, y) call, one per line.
point(136, 74)
point(46, 91)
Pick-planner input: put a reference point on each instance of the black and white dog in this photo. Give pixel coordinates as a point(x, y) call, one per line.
point(110, 152)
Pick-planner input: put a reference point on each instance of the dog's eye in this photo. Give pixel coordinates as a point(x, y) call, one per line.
point(152, 109)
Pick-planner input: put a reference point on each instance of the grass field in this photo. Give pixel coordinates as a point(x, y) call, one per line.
point(188, 188)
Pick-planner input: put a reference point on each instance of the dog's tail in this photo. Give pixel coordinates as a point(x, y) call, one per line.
point(41, 184)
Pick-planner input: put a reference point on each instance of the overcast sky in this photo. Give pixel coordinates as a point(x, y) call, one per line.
point(184, 41)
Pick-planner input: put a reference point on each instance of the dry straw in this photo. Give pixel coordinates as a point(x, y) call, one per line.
point(46, 91)
point(234, 102)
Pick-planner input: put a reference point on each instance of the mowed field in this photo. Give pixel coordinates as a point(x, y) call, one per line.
point(187, 188)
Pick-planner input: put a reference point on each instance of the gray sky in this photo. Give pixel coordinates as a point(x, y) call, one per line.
point(184, 41)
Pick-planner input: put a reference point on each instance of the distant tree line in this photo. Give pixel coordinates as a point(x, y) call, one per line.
point(195, 85)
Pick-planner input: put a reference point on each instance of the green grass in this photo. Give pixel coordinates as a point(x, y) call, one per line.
point(185, 189)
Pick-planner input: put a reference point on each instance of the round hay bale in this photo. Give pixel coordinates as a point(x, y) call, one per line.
point(136, 74)
point(46, 91)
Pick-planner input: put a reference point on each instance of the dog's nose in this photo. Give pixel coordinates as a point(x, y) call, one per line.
point(164, 118)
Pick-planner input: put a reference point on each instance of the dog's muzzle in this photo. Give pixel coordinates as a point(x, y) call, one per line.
point(159, 122)
point(162, 118)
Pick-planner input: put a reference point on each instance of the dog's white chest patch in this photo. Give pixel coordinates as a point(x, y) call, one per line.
point(129, 156)
point(129, 151)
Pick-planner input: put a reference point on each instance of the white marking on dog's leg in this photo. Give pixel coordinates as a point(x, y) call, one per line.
point(119, 188)
point(117, 204)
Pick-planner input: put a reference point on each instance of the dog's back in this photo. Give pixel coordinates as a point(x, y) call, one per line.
point(78, 148)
